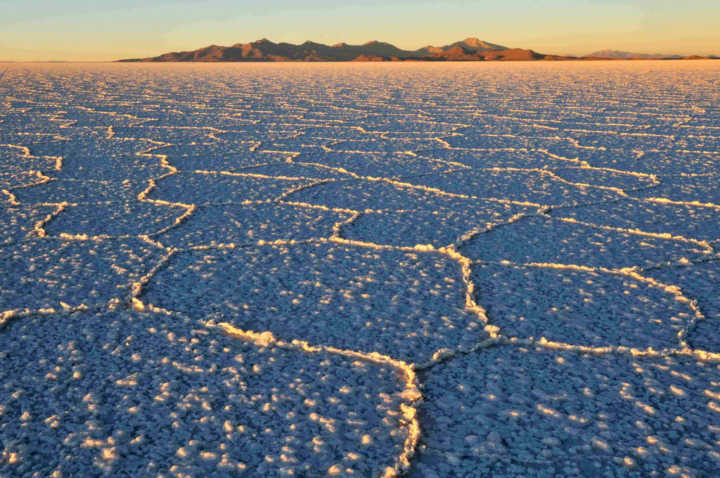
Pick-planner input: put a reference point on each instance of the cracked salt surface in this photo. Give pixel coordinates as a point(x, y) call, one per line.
point(525, 241)
point(317, 292)
point(369, 270)
point(531, 412)
point(252, 222)
point(160, 395)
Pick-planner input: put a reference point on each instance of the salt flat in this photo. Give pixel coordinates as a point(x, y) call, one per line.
point(429, 270)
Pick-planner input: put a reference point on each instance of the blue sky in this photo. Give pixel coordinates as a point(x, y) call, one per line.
point(111, 29)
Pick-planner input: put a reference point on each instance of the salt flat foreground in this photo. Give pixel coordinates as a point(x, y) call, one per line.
point(422, 269)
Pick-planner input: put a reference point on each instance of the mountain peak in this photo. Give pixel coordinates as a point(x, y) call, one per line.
point(473, 41)
point(475, 44)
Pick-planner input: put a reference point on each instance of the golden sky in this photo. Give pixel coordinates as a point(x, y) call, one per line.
point(84, 30)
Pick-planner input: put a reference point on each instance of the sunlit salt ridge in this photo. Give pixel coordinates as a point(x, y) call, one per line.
point(360, 270)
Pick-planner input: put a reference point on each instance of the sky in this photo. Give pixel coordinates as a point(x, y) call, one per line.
point(99, 30)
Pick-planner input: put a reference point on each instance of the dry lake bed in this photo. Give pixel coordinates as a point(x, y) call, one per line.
point(425, 270)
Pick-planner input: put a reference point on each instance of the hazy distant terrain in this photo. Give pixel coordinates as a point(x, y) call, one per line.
point(360, 270)
point(627, 55)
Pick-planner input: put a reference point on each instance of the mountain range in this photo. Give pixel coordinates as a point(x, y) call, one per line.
point(470, 49)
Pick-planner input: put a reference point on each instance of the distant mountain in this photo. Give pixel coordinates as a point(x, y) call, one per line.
point(626, 55)
point(470, 49)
